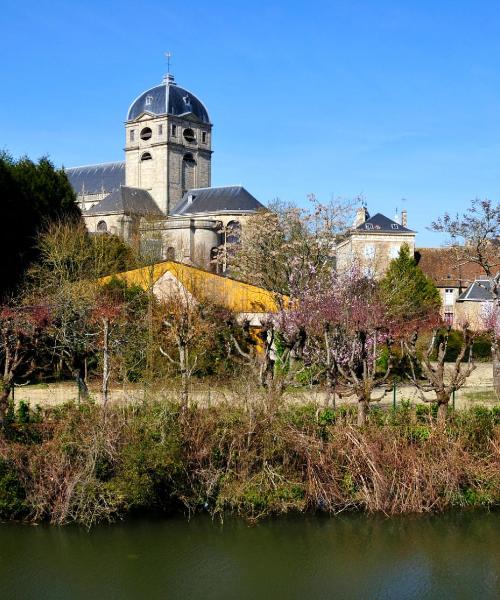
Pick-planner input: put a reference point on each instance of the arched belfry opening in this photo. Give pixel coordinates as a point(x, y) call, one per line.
point(188, 171)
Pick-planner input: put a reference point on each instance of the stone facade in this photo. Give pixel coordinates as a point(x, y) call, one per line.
point(167, 155)
point(373, 242)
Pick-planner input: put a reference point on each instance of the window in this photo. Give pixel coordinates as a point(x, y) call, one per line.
point(189, 159)
point(132, 135)
point(368, 225)
point(146, 156)
point(369, 250)
point(160, 129)
point(449, 297)
point(146, 133)
point(174, 130)
point(170, 255)
point(204, 137)
point(448, 318)
point(149, 100)
point(394, 252)
point(394, 226)
point(102, 227)
point(233, 232)
point(189, 135)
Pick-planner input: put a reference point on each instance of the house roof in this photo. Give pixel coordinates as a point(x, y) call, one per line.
point(235, 295)
point(97, 179)
point(381, 224)
point(444, 268)
point(233, 198)
point(126, 200)
point(479, 291)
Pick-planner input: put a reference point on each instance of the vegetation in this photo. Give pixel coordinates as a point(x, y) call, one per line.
point(33, 196)
point(89, 464)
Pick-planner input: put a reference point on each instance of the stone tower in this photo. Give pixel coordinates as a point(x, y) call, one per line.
point(168, 143)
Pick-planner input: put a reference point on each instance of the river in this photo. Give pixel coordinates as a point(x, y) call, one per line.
point(454, 556)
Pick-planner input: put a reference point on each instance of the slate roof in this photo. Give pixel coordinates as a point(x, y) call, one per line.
point(479, 291)
point(168, 98)
point(233, 198)
point(97, 179)
point(126, 200)
point(381, 224)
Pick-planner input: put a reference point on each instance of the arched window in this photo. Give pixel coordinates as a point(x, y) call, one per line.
point(214, 260)
point(146, 133)
point(188, 172)
point(189, 135)
point(233, 232)
point(102, 227)
point(170, 254)
point(146, 156)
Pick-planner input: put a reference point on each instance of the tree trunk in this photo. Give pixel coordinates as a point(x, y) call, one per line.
point(363, 410)
point(105, 362)
point(443, 401)
point(4, 402)
point(495, 355)
point(183, 360)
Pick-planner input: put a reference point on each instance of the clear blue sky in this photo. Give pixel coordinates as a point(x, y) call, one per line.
point(389, 99)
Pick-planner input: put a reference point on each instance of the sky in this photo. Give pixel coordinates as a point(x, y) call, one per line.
point(395, 101)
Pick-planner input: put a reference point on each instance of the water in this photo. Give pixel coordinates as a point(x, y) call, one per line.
point(453, 556)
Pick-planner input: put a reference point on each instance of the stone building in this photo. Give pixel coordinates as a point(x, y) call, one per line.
point(372, 242)
point(161, 196)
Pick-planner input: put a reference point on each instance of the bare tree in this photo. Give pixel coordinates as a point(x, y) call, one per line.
point(475, 238)
point(436, 377)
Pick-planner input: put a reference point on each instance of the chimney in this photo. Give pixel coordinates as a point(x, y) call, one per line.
point(404, 218)
point(361, 216)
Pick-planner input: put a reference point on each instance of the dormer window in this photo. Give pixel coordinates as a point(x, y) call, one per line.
point(394, 226)
point(368, 226)
point(149, 100)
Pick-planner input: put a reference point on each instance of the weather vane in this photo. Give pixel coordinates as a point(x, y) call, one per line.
point(168, 56)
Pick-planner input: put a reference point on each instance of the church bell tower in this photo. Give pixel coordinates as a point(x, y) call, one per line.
point(168, 144)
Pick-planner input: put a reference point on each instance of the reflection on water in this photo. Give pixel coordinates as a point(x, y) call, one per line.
point(356, 556)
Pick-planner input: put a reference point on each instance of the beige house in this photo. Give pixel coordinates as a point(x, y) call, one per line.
point(161, 196)
point(373, 242)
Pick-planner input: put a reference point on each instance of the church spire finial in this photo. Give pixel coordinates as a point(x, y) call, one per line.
point(168, 77)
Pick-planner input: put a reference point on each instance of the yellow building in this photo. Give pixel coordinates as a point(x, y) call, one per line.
point(167, 279)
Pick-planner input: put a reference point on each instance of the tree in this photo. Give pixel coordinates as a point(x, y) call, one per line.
point(344, 328)
point(408, 294)
point(33, 195)
point(22, 331)
point(281, 248)
point(443, 382)
point(475, 238)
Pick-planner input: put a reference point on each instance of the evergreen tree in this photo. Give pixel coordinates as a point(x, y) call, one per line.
point(33, 195)
point(407, 292)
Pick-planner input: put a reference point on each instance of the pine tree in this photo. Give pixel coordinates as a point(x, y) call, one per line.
point(407, 292)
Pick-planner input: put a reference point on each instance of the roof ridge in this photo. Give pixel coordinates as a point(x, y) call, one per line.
point(116, 162)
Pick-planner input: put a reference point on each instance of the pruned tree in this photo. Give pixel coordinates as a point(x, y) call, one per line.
point(428, 369)
point(346, 328)
point(475, 238)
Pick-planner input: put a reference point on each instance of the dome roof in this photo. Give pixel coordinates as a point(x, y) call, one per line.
point(168, 98)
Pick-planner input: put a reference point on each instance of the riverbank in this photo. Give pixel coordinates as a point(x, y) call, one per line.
point(85, 464)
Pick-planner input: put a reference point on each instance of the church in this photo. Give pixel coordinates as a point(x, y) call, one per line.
point(160, 198)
